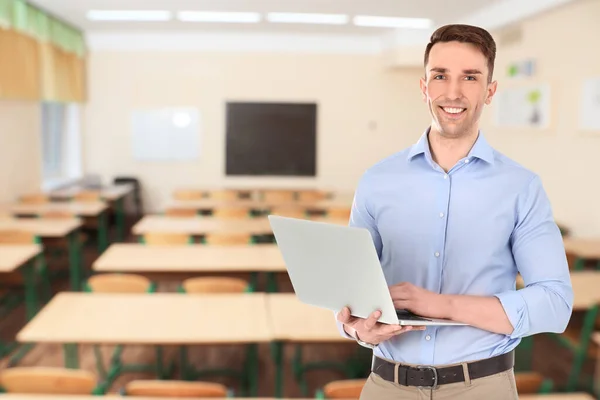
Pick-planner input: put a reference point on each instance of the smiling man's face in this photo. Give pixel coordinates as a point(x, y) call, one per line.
point(456, 88)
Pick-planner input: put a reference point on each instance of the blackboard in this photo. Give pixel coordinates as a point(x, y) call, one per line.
point(271, 139)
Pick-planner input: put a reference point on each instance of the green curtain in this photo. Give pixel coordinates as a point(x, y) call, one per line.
point(33, 22)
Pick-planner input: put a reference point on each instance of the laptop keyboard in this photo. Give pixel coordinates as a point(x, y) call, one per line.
point(408, 316)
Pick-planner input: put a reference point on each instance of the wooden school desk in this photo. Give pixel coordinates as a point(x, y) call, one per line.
point(115, 195)
point(552, 396)
point(14, 257)
point(262, 205)
point(583, 250)
point(53, 229)
point(299, 323)
point(175, 319)
point(84, 210)
point(190, 259)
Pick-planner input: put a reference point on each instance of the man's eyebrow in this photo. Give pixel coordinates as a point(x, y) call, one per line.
point(466, 71)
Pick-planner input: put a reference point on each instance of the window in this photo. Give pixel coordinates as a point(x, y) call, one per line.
point(53, 133)
point(61, 144)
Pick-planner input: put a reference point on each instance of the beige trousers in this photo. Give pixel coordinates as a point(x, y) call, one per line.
point(500, 386)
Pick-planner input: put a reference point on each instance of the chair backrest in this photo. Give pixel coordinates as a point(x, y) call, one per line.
point(155, 388)
point(225, 195)
point(166, 238)
point(339, 213)
point(56, 214)
point(283, 196)
point(215, 284)
point(188, 194)
point(181, 212)
point(344, 389)
point(34, 198)
point(291, 212)
point(44, 380)
point(227, 212)
point(528, 382)
point(87, 196)
point(311, 195)
point(13, 236)
point(119, 283)
point(227, 239)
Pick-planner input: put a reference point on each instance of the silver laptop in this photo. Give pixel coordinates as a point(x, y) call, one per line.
point(332, 266)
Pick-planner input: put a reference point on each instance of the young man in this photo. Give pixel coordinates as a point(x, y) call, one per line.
point(453, 222)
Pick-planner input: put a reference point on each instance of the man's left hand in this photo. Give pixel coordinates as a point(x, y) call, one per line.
point(407, 296)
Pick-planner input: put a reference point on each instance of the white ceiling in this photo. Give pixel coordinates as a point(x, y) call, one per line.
point(440, 11)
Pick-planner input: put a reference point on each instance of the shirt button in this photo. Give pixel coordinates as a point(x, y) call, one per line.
point(466, 161)
point(437, 254)
point(446, 176)
point(427, 337)
point(441, 215)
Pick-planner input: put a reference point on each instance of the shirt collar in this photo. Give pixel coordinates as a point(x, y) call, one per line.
point(481, 149)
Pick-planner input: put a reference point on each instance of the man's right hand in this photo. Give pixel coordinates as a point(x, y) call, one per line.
point(369, 330)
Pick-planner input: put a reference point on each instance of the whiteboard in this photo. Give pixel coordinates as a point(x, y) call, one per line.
point(590, 105)
point(166, 134)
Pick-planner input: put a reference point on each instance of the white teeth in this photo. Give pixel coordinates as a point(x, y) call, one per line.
point(453, 110)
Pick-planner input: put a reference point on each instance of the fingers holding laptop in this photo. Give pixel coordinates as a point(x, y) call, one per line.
point(369, 330)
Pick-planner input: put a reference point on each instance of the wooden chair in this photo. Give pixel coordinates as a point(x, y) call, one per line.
point(532, 383)
point(291, 212)
point(224, 195)
point(579, 343)
point(19, 237)
point(227, 239)
point(45, 380)
point(181, 212)
point(166, 239)
point(231, 212)
point(279, 196)
point(311, 195)
point(339, 213)
point(87, 196)
point(34, 198)
point(205, 285)
point(184, 389)
point(119, 283)
point(342, 389)
point(214, 285)
point(188, 195)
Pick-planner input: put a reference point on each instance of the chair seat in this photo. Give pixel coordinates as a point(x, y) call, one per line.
point(571, 338)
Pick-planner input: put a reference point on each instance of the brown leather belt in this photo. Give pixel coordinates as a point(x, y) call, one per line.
point(431, 377)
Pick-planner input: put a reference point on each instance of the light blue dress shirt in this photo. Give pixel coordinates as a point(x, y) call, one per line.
point(466, 232)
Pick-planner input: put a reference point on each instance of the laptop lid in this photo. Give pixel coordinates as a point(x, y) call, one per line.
point(333, 266)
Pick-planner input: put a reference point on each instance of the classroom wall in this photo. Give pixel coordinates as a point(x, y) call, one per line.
point(20, 149)
point(562, 44)
point(365, 113)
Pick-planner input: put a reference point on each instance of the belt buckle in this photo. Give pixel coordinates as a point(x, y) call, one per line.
point(435, 377)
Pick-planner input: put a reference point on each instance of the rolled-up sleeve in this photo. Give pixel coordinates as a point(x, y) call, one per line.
point(362, 217)
point(545, 303)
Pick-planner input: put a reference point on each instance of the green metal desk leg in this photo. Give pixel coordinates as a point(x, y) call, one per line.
point(71, 355)
point(277, 354)
point(31, 300)
point(579, 264)
point(102, 231)
point(252, 369)
point(120, 215)
point(272, 282)
point(74, 261)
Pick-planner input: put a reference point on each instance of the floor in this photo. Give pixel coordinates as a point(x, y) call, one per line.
point(548, 358)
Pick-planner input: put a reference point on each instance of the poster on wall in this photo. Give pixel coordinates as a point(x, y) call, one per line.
point(166, 134)
point(523, 107)
point(589, 118)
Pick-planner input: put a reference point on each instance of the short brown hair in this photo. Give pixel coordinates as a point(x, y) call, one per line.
point(466, 34)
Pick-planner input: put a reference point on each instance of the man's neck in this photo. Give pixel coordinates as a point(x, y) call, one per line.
point(446, 152)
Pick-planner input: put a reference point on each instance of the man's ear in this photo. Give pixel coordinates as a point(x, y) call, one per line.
point(491, 91)
point(423, 86)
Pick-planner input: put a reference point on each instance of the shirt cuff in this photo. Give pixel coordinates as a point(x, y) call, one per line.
point(516, 309)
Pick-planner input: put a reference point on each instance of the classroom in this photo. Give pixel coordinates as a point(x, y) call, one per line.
point(143, 145)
